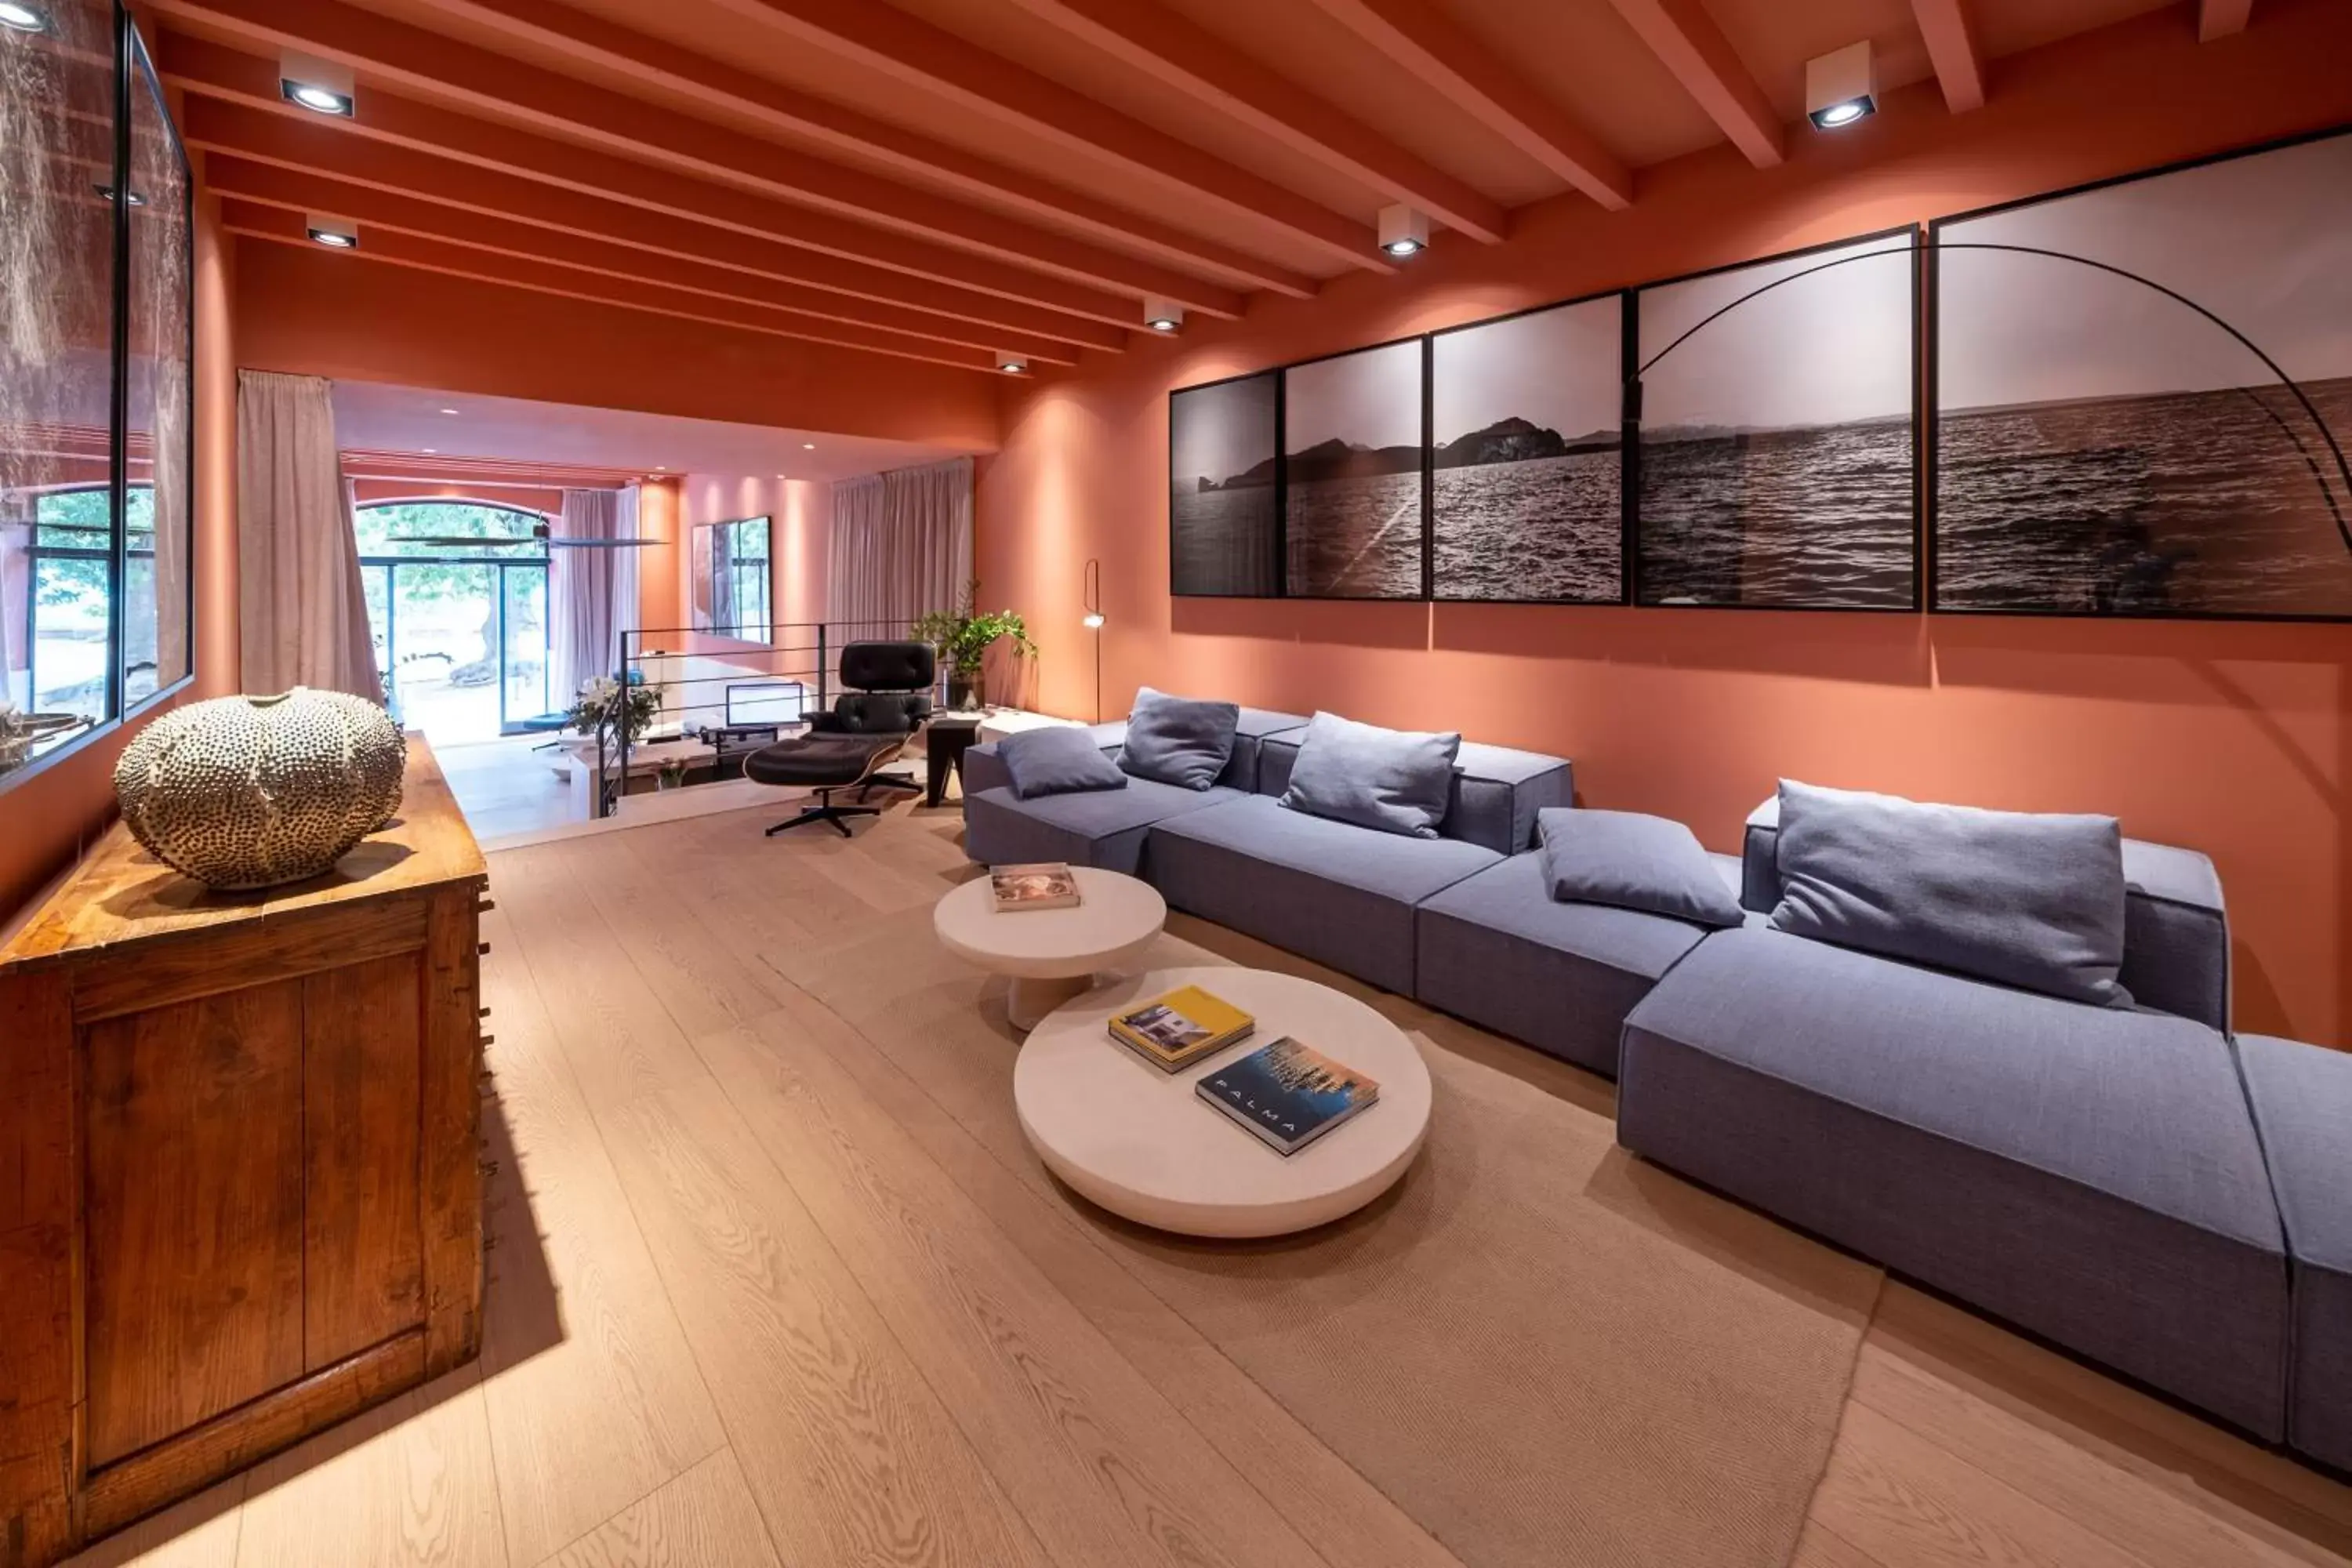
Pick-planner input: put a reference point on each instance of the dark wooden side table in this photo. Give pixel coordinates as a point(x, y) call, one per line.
point(945, 741)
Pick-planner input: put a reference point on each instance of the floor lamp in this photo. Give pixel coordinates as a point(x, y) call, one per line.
point(1091, 592)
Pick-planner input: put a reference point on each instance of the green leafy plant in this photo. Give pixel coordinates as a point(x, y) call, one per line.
point(963, 637)
point(607, 703)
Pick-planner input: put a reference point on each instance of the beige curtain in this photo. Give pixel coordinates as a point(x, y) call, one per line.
point(901, 545)
point(584, 639)
point(302, 608)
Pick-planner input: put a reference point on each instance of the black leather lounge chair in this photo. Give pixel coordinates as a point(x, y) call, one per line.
point(889, 697)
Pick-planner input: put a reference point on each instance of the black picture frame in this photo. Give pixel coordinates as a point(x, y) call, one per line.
point(1251, 578)
point(2330, 459)
point(1641, 358)
point(1620, 590)
point(1294, 533)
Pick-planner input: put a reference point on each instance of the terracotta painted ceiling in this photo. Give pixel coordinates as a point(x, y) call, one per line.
point(958, 179)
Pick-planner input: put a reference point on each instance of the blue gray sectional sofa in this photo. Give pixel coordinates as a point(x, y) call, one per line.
point(2128, 1182)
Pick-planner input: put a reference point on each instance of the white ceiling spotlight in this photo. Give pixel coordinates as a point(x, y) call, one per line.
point(1842, 86)
point(319, 86)
point(1011, 363)
point(1404, 230)
point(334, 233)
point(1163, 315)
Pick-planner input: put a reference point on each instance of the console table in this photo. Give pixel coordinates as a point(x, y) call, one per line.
point(240, 1197)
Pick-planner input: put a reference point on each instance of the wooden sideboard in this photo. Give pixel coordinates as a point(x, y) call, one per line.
point(240, 1189)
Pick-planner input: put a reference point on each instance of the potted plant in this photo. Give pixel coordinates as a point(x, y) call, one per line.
point(962, 638)
point(671, 774)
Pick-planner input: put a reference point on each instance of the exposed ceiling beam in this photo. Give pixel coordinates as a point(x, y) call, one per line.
point(540, 278)
point(1167, 46)
point(222, 126)
point(393, 52)
point(1688, 43)
point(215, 71)
point(299, 191)
point(1952, 47)
point(1447, 60)
point(911, 50)
point(593, 40)
point(2219, 19)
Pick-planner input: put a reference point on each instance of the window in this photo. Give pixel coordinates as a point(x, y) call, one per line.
point(96, 424)
point(731, 579)
point(461, 629)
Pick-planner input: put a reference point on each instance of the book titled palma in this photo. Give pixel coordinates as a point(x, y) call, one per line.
point(1288, 1094)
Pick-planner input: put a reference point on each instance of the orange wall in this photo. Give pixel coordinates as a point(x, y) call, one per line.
point(51, 818)
point(2233, 739)
point(307, 311)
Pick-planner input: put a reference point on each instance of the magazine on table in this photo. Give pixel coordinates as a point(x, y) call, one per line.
point(1288, 1093)
point(1045, 885)
point(1176, 1030)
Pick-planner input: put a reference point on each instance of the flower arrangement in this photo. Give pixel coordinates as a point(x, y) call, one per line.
point(627, 709)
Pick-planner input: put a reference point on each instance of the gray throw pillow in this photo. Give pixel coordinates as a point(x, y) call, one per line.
point(1056, 759)
point(1633, 861)
point(1179, 740)
point(2033, 901)
point(1399, 781)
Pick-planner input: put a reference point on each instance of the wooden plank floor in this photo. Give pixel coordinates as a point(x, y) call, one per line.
point(758, 1300)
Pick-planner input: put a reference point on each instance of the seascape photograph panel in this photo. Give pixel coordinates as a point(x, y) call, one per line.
point(1776, 461)
point(1223, 538)
point(1352, 475)
point(2104, 448)
point(1527, 457)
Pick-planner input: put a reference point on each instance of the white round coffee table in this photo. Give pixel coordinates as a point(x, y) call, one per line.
point(1140, 1142)
point(1052, 954)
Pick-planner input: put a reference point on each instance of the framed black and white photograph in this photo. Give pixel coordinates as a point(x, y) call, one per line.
point(1527, 457)
point(1224, 525)
point(2144, 395)
point(1777, 465)
point(1354, 502)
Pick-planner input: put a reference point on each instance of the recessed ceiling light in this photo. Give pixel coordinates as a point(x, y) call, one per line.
point(1163, 315)
point(20, 17)
point(660, 468)
point(1012, 364)
point(334, 241)
point(449, 411)
point(430, 451)
point(1845, 113)
point(319, 99)
point(808, 446)
point(335, 233)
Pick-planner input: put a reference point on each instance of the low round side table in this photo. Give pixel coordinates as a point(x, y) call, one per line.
point(1052, 954)
point(1142, 1145)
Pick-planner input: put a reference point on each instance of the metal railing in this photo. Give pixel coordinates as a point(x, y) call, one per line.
point(696, 668)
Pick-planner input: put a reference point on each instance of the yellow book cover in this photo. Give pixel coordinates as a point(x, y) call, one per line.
point(1182, 1023)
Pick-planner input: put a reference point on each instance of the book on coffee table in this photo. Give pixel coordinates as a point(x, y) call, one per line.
point(1045, 885)
point(1176, 1030)
point(1288, 1093)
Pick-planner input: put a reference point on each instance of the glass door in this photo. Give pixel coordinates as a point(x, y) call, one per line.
point(444, 642)
point(522, 644)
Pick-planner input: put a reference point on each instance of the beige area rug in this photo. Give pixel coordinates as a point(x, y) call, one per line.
point(1547, 1352)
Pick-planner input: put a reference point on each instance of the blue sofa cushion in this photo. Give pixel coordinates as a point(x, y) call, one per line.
point(1106, 828)
point(1057, 760)
point(1392, 781)
point(2029, 900)
point(1496, 792)
point(2176, 929)
point(2091, 1174)
point(2302, 1100)
point(1629, 860)
point(1498, 950)
point(1330, 892)
point(1179, 740)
